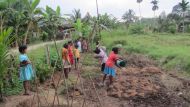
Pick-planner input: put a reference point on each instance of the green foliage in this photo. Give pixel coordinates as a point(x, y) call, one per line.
point(35, 4)
point(136, 29)
point(78, 25)
point(8, 77)
point(122, 42)
point(172, 29)
point(43, 71)
point(44, 36)
point(55, 61)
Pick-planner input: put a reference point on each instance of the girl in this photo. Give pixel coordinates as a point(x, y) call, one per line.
point(84, 45)
point(110, 63)
point(26, 71)
point(70, 52)
point(101, 54)
point(66, 60)
point(79, 45)
point(76, 56)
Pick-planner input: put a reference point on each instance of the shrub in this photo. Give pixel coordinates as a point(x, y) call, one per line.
point(53, 60)
point(172, 29)
point(136, 29)
point(122, 42)
point(43, 71)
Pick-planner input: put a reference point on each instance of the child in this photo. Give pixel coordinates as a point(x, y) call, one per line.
point(79, 45)
point(103, 57)
point(76, 56)
point(110, 63)
point(26, 71)
point(84, 45)
point(66, 60)
point(70, 52)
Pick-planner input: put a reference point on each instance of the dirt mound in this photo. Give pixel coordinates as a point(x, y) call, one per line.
point(137, 60)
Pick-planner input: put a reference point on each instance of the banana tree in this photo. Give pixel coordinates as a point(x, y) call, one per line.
point(50, 21)
point(31, 8)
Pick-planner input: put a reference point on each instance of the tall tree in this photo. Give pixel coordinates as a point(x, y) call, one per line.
point(76, 15)
point(139, 2)
point(129, 17)
point(184, 6)
point(155, 6)
point(31, 8)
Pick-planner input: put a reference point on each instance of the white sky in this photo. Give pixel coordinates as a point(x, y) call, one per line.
point(115, 7)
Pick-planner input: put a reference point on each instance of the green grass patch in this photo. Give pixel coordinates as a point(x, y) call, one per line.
point(174, 49)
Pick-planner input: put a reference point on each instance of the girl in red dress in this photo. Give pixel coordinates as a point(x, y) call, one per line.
point(70, 52)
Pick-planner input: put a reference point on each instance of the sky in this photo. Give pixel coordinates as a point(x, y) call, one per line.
point(115, 7)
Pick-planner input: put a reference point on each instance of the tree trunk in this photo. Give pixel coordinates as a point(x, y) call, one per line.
point(26, 35)
point(183, 22)
point(2, 21)
point(16, 34)
point(140, 12)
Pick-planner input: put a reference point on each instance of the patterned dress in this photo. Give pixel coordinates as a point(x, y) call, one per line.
point(26, 72)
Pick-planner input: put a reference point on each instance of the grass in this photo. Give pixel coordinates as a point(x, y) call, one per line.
point(170, 50)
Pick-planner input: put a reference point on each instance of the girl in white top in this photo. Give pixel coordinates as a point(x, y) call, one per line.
point(101, 54)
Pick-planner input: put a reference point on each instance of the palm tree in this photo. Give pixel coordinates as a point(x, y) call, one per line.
point(184, 6)
point(140, 1)
point(129, 17)
point(76, 15)
point(155, 6)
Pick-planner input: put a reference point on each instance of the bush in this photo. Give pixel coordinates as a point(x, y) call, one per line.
point(53, 60)
point(172, 29)
point(43, 71)
point(136, 29)
point(122, 42)
point(44, 36)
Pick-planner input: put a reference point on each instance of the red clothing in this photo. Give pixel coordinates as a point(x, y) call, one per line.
point(70, 52)
point(111, 59)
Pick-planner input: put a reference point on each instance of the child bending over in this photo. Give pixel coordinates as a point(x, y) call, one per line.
point(110, 65)
point(101, 54)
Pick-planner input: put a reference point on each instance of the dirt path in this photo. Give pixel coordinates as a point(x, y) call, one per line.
point(33, 47)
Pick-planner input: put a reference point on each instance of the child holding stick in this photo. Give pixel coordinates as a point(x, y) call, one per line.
point(26, 71)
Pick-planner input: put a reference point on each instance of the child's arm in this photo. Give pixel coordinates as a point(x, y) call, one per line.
point(97, 56)
point(24, 63)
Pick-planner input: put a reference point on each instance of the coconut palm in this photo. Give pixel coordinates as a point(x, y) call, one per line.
point(129, 17)
point(184, 6)
point(140, 1)
point(155, 6)
point(76, 15)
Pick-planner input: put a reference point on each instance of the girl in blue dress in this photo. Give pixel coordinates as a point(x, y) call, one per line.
point(26, 71)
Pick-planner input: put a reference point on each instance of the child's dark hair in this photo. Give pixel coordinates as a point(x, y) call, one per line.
point(22, 48)
point(97, 51)
point(115, 50)
point(65, 45)
point(76, 46)
point(97, 42)
point(70, 42)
